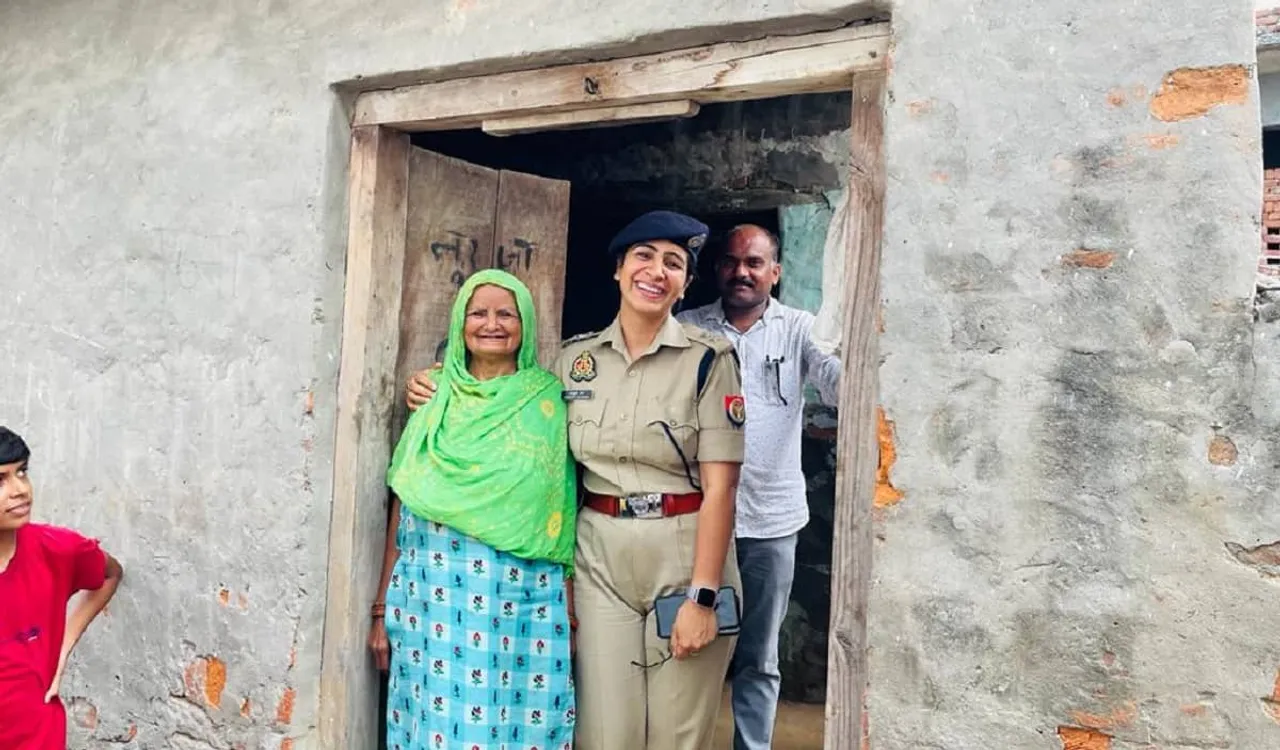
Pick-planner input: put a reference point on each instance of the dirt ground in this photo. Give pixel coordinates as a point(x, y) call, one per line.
point(799, 726)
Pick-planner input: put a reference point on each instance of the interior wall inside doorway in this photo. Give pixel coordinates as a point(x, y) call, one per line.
point(764, 162)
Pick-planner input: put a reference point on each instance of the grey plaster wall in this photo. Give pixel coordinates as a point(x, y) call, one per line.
point(1084, 405)
point(172, 239)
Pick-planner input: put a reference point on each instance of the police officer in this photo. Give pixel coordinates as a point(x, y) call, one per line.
point(655, 421)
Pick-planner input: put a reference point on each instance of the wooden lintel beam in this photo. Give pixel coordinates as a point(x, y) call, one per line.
point(774, 66)
point(594, 117)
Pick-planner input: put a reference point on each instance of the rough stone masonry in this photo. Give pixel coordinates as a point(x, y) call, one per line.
point(1081, 381)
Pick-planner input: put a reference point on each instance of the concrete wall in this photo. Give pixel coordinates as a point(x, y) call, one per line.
point(1085, 421)
point(1084, 404)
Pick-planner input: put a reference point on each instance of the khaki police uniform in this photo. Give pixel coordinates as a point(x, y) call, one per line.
point(626, 419)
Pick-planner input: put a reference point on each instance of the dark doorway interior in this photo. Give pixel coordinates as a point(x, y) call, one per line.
point(745, 162)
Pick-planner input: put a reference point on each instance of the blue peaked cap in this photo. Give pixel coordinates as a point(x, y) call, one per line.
point(685, 231)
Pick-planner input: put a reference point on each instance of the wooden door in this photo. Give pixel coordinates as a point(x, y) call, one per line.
point(462, 218)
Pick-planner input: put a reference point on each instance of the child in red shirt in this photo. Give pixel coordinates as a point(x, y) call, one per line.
point(41, 568)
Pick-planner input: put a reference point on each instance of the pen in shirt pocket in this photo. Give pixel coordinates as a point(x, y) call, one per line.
point(776, 364)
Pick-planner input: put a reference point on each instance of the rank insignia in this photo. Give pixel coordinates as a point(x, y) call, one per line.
point(584, 368)
point(735, 407)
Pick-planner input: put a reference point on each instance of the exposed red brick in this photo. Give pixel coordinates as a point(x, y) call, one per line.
point(284, 709)
point(1117, 97)
point(215, 681)
point(1272, 702)
point(224, 597)
point(286, 743)
point(920, 107)
point(310, 406)
point(1075, 738)
point(886, 493)
point(1264, 557)
point(941, 178)
point(1194, 709)
point(1086, 258)
point(84, 713)
point(1222, 452)
point(1161, 141)
point(1122, 716)
point(246, 708)
point(1187, 93)
point(206, 678)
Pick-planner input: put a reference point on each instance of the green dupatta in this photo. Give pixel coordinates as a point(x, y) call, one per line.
point(490, 459)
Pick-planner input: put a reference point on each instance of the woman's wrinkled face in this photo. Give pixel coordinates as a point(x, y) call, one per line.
point(491, 328)
point(652, 276)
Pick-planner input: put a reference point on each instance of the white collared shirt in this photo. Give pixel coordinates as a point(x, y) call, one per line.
point(778, 357)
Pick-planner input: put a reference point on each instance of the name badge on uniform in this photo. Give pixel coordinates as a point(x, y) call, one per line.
point(735, 407)
point(584, 395)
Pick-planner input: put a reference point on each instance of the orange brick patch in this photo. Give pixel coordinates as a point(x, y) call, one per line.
point(1272, 702)
point(284, 709)
point(1076, 738)
point(886, 494)
point(1188, 93)
point(206, 677)
point(1222, 451)
point(1086, 258)
point(1120, 717)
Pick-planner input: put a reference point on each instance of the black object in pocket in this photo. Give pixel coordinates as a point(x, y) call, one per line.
point(728, 611)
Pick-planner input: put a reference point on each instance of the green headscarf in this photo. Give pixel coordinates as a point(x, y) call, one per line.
point(490, 459)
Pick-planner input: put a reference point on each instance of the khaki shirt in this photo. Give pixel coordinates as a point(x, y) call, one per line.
point(618, 408)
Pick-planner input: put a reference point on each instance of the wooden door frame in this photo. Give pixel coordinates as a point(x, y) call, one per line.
point(853, 58)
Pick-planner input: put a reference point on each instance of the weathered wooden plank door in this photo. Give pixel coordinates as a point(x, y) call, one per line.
point(462, 218)
point(533, 236)
point(448, 236)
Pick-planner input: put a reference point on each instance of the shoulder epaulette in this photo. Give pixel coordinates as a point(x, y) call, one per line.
point(713, 341)
point(579, 337)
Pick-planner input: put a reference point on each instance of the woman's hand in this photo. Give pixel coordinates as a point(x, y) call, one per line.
point(420, 388)
point(694, 629)
point(380, 645)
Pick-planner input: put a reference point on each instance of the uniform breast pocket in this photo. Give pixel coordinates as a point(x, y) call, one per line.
point(671, 432)
point(585, 420)
point(781, 381)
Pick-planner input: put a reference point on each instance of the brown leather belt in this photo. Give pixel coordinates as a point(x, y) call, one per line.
point(645, 505)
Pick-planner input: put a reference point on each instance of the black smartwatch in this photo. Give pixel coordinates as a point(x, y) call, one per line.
point(703, 597)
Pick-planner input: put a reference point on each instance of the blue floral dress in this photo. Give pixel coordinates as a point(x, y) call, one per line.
point(480, 646)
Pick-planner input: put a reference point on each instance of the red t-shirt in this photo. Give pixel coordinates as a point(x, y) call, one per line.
point(49, 566)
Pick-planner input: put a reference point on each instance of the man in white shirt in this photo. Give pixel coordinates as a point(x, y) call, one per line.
point(777, 357)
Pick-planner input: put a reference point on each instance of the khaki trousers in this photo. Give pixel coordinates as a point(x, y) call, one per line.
point(623, 565)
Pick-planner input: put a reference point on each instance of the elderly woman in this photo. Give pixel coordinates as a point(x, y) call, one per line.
point(655, 420)
point(474, 619)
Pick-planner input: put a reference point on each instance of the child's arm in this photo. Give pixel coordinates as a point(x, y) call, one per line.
point(84, 613)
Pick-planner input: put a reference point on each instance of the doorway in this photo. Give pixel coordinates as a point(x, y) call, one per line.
point(763, 162)
point(848, 60)
point(734, 163)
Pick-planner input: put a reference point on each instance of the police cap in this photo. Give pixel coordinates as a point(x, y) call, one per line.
point(685, 231)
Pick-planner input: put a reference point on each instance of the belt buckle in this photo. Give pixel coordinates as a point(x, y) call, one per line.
point(644, 505)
